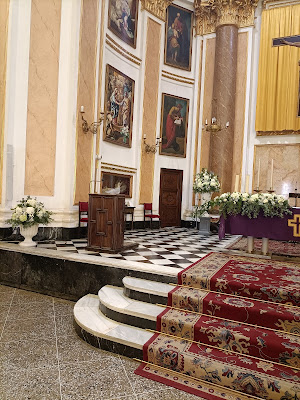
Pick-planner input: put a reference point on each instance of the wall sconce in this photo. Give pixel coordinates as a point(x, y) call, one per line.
point(93, 127)
point(214, 127)
point(151, 148)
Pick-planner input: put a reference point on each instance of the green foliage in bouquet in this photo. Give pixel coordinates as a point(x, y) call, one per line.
point(29, 212)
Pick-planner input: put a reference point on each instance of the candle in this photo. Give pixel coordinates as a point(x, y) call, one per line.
point(81, 109)
point(272, 170)
point(206, 122)
point(144, 135)
point(258, 173)
point(236, 186)
point(247, 184)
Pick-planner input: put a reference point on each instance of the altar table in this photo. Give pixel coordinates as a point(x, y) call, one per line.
point(286, 228)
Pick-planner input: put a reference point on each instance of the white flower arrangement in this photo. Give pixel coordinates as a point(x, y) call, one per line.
point(206, 182)
point(236, 203)
point(29, 212)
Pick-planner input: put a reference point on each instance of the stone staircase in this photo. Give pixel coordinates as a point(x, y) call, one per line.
point(122, 320)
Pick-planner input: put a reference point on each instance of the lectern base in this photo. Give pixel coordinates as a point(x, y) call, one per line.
point(127, 245)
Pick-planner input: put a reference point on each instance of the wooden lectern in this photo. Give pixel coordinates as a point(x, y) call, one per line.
point(106, 223)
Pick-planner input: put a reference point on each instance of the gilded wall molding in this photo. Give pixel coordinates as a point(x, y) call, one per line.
point(277, 133)
point(119, 49)
point(213, 13)
point(156, 7)
point(115, 167)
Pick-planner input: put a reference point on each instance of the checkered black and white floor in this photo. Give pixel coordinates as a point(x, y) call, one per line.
point(174, 247)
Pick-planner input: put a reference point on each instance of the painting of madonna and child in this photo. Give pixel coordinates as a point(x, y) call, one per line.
point(118, 107)
point(174, 123)
point(122, 19)
point(178, 45)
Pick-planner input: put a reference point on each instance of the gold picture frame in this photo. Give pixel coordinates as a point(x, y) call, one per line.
point(111, 182)
point(174, 125)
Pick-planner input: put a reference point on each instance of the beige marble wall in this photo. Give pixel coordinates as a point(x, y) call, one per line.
point(42, 97)
point(241, 80)
point(151, 83)
point(4, 11)
point(207, 100)
point(286, 167)
point(86, 96)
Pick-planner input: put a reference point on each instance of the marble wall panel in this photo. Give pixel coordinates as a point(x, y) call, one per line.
point(42, 97)
point(151, 84)
point(86, 96)
point(286, 174)
point(207, 100)
point(241, 81)
point(4, 10)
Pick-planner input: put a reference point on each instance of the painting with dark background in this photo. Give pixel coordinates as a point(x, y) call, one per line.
point(178, 42)
point(174, 122)
point(112, 183)
point(122, 19)
point(118, 108)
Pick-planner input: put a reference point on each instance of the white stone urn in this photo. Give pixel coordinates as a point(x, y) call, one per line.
point(205, 197)
point(28, 232)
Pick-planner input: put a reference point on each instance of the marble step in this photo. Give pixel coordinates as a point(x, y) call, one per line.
point(101, 332)
point(146, 290)
point(234, 336)
point(116, 305)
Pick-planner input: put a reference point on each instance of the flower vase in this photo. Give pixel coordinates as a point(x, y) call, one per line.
point(28, 232)
point(205, 198)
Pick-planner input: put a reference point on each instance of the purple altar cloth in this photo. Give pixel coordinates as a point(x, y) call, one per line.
point(272, 228)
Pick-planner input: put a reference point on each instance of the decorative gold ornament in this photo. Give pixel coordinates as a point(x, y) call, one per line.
point(213, 13)
point(156, 7)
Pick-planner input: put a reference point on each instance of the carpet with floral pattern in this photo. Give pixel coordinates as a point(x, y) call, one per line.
point(277, 247)
point(243, 343)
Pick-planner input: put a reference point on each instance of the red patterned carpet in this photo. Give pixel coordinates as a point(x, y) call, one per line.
point(243, 343)
point(275, 247)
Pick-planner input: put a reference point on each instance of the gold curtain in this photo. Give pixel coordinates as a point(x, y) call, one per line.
point(278, 76)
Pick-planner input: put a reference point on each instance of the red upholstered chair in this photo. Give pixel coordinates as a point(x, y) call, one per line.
point(83, 211)
point(148, 214)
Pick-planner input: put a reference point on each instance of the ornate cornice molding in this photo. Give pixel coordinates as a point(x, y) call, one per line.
point(213, 13)
point(156, 7)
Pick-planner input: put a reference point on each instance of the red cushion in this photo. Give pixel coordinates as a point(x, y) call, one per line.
point(152, 215)
point(84, 219)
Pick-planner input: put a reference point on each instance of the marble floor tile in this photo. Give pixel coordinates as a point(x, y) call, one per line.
point(31, 310)
point(63, 307)
point(24, 296)
point(6, 298)
point(4, 312)
point(105, 379)
point(6, 289)
point(25, 354)
point(29, 329)
point(42, 384)
point(64, 325)
point(72, 351)
point(167, 394)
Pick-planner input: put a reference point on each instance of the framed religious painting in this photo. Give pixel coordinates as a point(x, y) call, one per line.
point(178, 37)
point(112, 183)
point(174, 125)
point(122, 19)
point(118, 107)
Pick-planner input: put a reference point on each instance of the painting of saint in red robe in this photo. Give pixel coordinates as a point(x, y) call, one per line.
point(178, 37)
point(174, 122)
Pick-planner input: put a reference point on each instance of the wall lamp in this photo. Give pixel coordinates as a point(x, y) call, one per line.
point(214, 127)
point(93, 127)
point(151, 148)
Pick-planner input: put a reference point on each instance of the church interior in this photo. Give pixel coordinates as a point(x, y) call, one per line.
point(113, 113)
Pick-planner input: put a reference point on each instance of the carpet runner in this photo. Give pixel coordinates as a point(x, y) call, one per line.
point(230, 346)
point(275, 247)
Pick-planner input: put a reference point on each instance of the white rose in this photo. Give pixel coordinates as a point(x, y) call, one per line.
point(23, 218)
point(18, 210)
point(40, 214)
point(31, 202)
point(30, 210)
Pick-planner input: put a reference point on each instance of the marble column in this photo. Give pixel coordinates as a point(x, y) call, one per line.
point(223, 104)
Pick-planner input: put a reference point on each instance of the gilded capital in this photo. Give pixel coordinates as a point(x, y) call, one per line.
point(156, 7)
point(212, 13)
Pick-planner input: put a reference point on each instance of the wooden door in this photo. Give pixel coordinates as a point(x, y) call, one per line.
point(170, 197)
